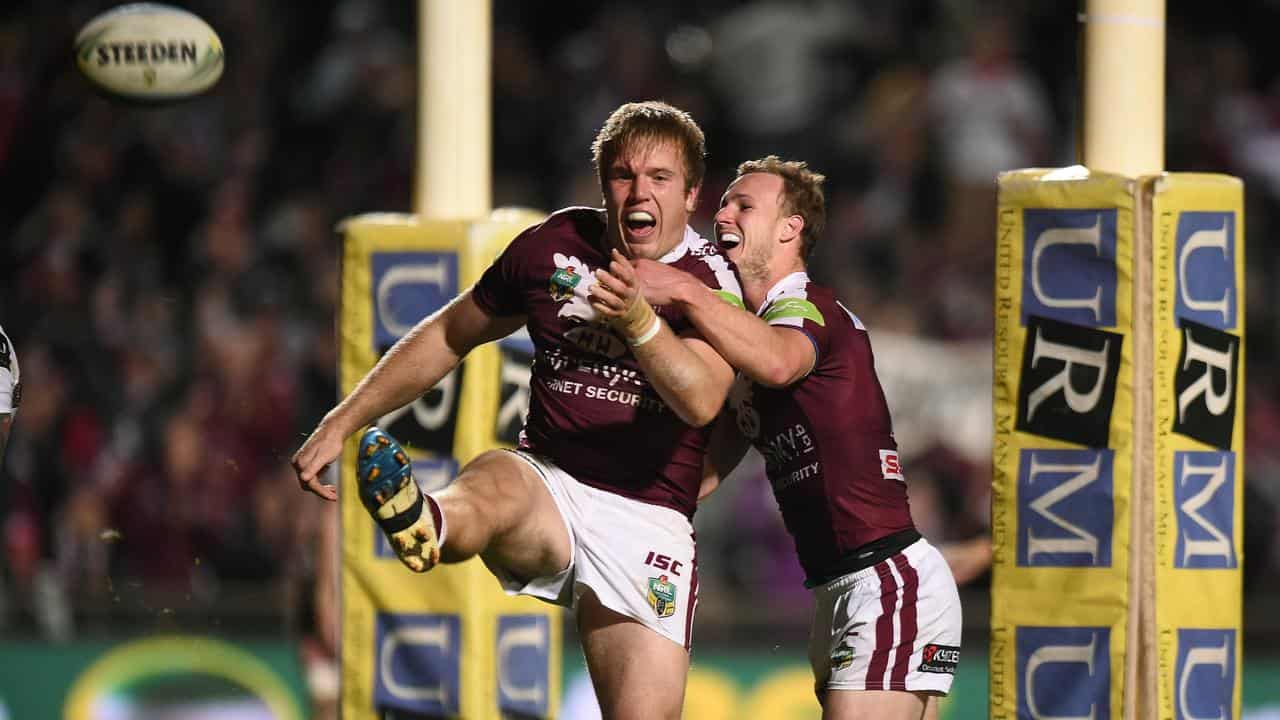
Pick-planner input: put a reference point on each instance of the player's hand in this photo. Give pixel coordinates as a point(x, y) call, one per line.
point(662, 284)
point(616, 296)
point(309, 463)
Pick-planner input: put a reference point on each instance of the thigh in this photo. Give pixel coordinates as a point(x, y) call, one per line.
point(636, 672)
point(931, 707)
point(500, 508)
point(878, 704)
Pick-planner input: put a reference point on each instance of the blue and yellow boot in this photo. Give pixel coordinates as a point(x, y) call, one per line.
point(409, 518)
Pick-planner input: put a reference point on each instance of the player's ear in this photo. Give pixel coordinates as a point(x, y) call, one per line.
point(792, 226)
point(691, 198)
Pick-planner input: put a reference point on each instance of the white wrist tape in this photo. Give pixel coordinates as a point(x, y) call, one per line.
point(649, 334)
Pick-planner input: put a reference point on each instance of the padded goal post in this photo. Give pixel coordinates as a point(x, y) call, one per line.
point(448, 643)
point(1118, 445)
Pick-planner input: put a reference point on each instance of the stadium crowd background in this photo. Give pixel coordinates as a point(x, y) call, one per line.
point(169, 274)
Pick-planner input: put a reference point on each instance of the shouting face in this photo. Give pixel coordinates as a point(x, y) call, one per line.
point(648, 199)
point(752, 221)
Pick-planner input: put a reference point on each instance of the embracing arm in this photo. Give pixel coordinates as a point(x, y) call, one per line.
point(687, 373)
point(410, 368)
point(690, 376)
point(770, 355)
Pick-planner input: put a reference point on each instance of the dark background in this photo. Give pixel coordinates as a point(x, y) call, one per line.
point(169, 274)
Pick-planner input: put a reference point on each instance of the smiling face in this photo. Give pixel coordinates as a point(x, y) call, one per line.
point(752, 222)
point(648, 198)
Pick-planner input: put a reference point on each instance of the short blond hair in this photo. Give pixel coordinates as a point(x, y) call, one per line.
point(634, 124)
point(801, 194)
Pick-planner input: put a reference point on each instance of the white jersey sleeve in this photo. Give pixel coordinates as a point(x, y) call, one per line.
point(10, 377)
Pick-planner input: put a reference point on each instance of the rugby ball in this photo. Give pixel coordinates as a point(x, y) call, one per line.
point(148, 51)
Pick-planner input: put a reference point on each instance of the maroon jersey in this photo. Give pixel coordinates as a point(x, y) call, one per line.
point(591, 408)
point(827, 439)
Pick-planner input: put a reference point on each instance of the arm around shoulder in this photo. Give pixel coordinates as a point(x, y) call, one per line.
point(771, 355)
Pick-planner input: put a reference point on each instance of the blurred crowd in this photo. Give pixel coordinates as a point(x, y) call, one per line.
point(169, 274)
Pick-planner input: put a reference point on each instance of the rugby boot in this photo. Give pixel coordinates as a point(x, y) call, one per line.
point(408, 517)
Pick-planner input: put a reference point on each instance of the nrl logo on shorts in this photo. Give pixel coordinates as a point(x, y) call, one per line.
point(662, 596)
point(842, 658)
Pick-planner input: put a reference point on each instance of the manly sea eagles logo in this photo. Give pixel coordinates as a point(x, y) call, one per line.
point(570, 283)
point(563, 281)
point(740, 400)
point(662, 596)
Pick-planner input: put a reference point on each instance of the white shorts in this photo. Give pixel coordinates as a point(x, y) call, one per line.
point(892, 626)
point(638, 558)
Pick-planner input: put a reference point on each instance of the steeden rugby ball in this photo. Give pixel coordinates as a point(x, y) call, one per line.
point(148, 51)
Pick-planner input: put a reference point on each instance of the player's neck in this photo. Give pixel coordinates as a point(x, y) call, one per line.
point(756, 286)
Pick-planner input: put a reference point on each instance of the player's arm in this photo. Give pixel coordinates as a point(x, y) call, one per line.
point(774, 356)
point(968, 559)
point(725, 451)
point(412, 366)
point(690, 376)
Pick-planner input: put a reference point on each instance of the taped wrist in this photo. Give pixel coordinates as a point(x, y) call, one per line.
point(637, 320)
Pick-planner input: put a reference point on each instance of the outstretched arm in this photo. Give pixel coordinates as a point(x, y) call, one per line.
point(770, 355)
point(410, 368)
point(689, 375)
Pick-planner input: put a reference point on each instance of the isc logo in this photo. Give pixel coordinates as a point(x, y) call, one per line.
point(1065, 508)
point(1204, 499)
point(432, 474)
point(523, 658)
point(416, 665)
point(1069, 265)
point(1206, 271)
point(1205, 677)
point(408, 286)
point(1064, 672)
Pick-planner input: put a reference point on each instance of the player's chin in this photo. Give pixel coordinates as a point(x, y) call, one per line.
point(644, 244)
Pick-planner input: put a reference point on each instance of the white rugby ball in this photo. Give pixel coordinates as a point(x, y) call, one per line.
point(148, 51)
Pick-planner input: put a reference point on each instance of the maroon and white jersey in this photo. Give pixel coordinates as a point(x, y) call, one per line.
point(827, 439)
point(591, 408)
point(10, 377)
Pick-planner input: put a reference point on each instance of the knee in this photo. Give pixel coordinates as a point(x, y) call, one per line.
point(491, 483)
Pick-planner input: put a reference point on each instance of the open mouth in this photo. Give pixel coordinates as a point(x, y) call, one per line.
point(728, 238)
point(639, 222)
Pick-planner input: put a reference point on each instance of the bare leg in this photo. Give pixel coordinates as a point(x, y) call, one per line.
point(637, 673)
point(931, 708)
point(500, 509)
point(879, 704)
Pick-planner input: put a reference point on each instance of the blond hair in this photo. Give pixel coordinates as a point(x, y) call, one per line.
point(635, 124)
point(801, 194)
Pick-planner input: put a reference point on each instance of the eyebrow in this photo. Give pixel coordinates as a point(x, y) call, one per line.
point(650, 169)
